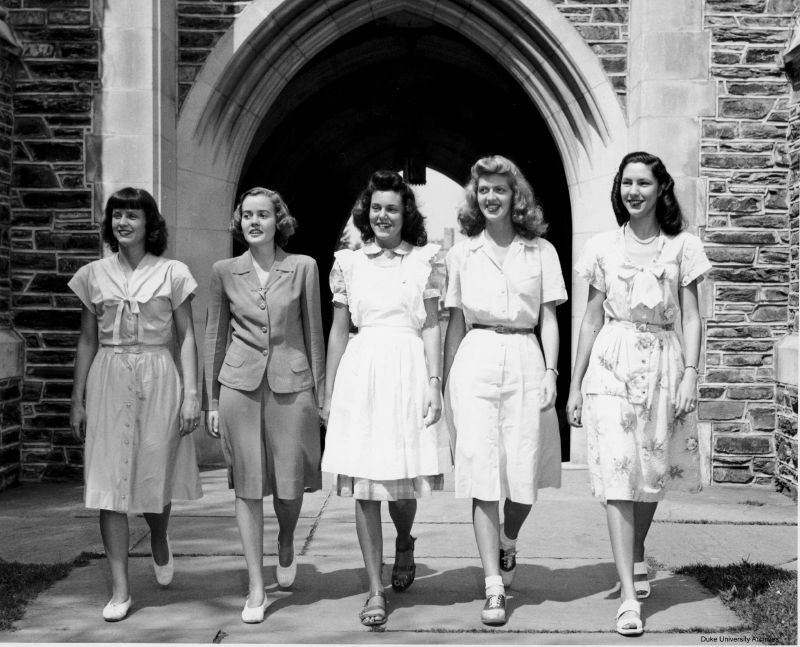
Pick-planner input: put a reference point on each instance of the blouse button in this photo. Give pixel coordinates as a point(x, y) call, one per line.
point(263, 329)
point(265, 352)
point(263, 306)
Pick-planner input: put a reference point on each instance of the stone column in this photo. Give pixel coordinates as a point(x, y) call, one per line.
point(12, 347)
point(669, 91)
point(135, 141)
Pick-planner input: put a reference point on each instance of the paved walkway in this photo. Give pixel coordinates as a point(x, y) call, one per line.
point(563, 592)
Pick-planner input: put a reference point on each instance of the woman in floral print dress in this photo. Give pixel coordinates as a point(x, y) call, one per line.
point(634, 384)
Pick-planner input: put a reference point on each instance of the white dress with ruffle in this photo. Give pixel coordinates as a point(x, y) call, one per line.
point(376, 440)
point(637, 449)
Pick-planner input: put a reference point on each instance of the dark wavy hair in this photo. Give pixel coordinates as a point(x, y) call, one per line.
point(668, 212)
point(285, 224)
point(155, 241)
point(526, 213)
point(413, 229)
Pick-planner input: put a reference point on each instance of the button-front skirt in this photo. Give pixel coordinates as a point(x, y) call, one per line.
point(506, 447)
point(135, 459)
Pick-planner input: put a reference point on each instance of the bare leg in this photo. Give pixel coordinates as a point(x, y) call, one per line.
point(514, 515)
point(403, 513)
point(370, 538)
point(288, 512)
point(643, 516)
point(486, 523)
point(250, 519)
point(621, 530)
point(114, 530)
point(158, 523)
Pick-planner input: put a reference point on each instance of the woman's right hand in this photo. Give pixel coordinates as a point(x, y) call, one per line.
point(77, 420)
point(574, 407)
point(212, 423)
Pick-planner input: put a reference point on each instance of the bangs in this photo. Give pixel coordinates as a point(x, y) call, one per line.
point(129, 199)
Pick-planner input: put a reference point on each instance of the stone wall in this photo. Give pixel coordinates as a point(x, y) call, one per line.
point(745, 158)
point(10, 384)
point(200, 25)
point(604, 26)
point(51, 209)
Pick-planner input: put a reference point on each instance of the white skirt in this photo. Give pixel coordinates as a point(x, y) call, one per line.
point(376, 428)
point(505, 446)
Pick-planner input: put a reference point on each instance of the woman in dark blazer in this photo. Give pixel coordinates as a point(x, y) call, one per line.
point(264, 381)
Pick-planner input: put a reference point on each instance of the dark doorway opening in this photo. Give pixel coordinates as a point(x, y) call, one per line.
point(396, 93)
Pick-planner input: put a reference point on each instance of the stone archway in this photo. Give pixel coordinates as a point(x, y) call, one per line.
point(271, 41)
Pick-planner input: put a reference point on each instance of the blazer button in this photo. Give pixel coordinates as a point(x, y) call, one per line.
point(265, 352)
point(263, 306)
point(264, 329)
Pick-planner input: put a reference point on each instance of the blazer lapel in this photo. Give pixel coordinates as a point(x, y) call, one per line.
point(243, 268)
point(280, 267)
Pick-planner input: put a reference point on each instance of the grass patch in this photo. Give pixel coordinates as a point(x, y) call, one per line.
point(20, 583)
point(763, 596)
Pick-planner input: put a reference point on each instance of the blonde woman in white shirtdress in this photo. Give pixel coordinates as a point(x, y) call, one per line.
point(136, 417)
point(634, 383)
point(383, 387)
point(502, 282)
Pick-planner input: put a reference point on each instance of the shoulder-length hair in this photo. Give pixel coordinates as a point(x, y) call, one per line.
point(413, 229)
point(526, 212)
point(668, 212)
point(155, 241)
point(285, 224)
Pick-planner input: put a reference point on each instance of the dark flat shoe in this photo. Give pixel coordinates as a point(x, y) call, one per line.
point(403, 576)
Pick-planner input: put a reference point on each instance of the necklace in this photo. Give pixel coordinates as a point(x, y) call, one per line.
point(641, 241)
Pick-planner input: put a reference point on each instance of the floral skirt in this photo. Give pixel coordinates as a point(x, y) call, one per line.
point(636, 453)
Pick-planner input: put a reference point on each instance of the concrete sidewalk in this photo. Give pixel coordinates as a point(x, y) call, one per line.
point(563, 592)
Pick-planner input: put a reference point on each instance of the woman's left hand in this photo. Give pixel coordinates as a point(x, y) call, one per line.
point(433, 403)
point(190, 415)
point(548, 390)
point(686, 399)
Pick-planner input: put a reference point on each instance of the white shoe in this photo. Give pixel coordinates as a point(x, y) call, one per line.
point(165, 573)
point(116, 611)
point(254, 615)
point(631, 626)
point(286, 574)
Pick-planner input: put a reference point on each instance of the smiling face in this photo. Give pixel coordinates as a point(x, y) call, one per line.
point(129, 227)
point(258, 220)
point(386, 218)
point(494, 197)
point(639, 190)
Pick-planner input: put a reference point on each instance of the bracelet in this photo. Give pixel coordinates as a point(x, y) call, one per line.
point(551, 369)
point(435, 377)
point(690, 366)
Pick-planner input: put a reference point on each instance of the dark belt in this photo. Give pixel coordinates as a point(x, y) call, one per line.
point(506, 330)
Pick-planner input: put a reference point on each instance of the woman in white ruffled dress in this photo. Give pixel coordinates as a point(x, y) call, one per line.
point(383, 386)
point(634, 383)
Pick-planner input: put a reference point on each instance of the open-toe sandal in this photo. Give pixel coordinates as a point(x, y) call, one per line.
point(640, 580)
point(403, 576)
point(630, 626)
point(374, 611)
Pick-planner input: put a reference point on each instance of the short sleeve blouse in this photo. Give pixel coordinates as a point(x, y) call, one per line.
point(508, 295)
point(642, 293)
point(434, 285)
point(133, 306)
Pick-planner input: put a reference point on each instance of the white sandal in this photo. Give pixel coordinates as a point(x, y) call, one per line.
point(630, 626)
point(642, 586)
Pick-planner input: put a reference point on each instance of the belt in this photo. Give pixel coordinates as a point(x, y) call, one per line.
point(506, 330)
point(643, 326)
point(134, 349)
